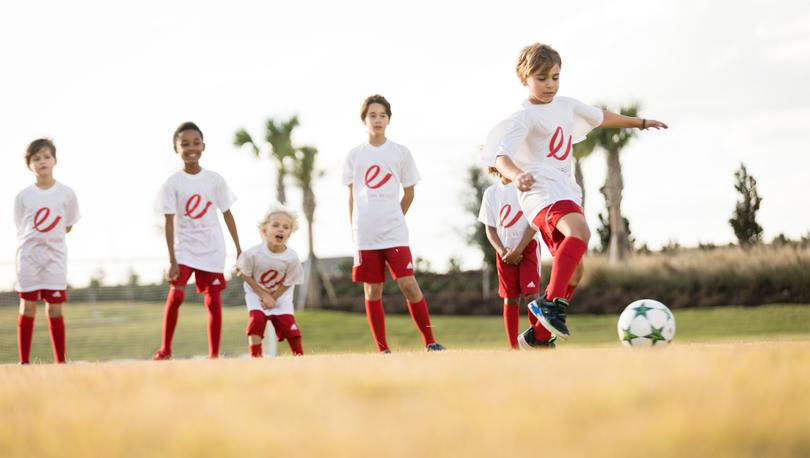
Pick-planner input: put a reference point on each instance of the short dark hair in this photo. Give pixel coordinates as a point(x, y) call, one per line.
point(35, 146)
point(188, 125)
point(376, 98)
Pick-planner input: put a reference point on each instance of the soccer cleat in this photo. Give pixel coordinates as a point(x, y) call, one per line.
point(551, 315)
point(528, 341)
point(161, 355)
point(435, 346)
point(385, 351)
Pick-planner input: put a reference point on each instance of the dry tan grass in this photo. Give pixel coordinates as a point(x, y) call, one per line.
point(718, 400)
point(731, 261)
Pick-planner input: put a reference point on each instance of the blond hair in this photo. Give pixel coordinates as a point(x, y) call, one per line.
point(275, 209)
point(536, 57)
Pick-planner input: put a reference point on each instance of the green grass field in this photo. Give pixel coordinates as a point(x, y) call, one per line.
point(113, 331)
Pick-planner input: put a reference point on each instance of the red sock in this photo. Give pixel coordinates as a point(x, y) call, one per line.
point(511, 318)
point(376, 321)
point(255, 350)
point(540, 332)
point(566, 260)
point(173, 302)
point(569, 292)
point(25, 331)
point(57, 328)
point(295, 346)
point(420, 316)
point(213, 302)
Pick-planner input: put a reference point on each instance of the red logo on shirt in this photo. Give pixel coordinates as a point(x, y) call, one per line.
point(191, 205)
point(503, 215)
point(39, 219)
point(270, 279)
point(372, 173)
point(556, 144)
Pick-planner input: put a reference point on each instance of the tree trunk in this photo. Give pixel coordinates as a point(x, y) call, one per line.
point(580, 178)
point(614, 186)
point(280, 193)
point(316, 275)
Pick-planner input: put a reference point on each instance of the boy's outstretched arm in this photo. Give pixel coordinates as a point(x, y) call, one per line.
point(616, 121)
point(507, 167)
point(232, 229)
point(407, 199)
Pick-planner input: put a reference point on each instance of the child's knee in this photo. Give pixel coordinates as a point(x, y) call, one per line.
point(373, 291)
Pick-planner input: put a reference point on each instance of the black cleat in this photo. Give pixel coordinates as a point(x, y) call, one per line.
point(435, 346)
point(551, 315)
point(528, 341)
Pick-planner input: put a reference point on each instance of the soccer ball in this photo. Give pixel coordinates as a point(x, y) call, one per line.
point(646, 323)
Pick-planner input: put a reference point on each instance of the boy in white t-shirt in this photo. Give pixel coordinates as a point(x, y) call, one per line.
point(535, 153)
point(374, 172)
point(517, 255)
point(270, 271)
point(43, 213)
point(194, 236)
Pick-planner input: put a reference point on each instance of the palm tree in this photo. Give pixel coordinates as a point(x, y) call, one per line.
point(582, 150)
point(613, 141)
point(278, 135)
point(304, 172)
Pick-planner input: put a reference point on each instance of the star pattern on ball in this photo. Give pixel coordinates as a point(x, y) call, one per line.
point(656, 335)
point(628, 336)
point(641, 310)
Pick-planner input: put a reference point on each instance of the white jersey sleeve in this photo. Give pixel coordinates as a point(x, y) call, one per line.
point(245, 263)
point(408, 173)
point(18, 211)
point(223, 196)
point(72, 214)
point(295, 272)
point(515, 131)
point(586, 118)
point(486, 214)
point(348, 169)
point(166, 200)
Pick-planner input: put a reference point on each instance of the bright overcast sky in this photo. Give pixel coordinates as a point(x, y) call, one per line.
point(110, 82)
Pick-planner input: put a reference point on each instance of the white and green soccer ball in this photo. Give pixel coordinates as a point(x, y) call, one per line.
point(646, 323)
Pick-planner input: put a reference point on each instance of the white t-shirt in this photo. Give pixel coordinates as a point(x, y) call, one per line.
point(198, 240)
point(42, 217)
point(501, 210)
point(271, 270)
point(377, 173)
point(540, 139)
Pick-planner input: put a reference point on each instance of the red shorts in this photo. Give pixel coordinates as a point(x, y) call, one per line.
point(521, 279)
point(546, 222)
point(51, 296)
point(206, 281)
point(369, 265)
point(284, 325)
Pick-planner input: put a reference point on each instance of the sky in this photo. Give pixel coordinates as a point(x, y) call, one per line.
point(109, 82)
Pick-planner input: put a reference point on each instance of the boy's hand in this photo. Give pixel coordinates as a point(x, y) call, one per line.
point(648, 123)
point(513, 257)
point(524, 181)
point(267, 300)
point(174, 272)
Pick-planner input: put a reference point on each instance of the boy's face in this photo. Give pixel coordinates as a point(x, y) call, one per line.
point(376, 119)
point(42, 162)
point(189, 145)
point(278, 229)
point(543, 86)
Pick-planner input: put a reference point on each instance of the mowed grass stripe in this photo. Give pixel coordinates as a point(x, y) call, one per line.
point(111, 331)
